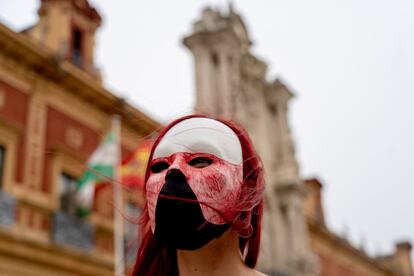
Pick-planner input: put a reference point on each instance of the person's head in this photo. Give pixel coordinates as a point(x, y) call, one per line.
point(203, 179)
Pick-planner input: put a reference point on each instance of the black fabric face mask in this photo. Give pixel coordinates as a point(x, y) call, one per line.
point(181, 224)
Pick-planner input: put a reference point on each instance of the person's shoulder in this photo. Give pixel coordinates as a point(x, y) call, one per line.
point(254, 272)
point(248, 271)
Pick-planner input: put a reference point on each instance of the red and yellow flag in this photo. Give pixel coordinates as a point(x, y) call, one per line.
point(132, 171)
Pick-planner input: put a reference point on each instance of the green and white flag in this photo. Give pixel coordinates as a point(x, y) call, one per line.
point(101, 165)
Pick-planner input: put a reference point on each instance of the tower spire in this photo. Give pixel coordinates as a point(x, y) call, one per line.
point(230, 6)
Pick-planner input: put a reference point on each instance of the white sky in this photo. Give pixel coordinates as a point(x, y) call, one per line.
point(350, 64)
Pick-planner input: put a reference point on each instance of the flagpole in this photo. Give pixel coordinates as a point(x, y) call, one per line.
point(119, 269)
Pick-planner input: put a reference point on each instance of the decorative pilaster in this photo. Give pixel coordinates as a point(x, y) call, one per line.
point(35, 142)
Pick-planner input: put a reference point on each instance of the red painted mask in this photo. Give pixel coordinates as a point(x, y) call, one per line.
point(215, 182)
point(209, 155)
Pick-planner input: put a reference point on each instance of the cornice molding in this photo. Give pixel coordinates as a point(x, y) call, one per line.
point(343, 245)
point(53, 256)
point(47, 65)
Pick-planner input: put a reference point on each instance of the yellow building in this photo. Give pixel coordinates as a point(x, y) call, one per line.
point(53, 113)
point(337, 256)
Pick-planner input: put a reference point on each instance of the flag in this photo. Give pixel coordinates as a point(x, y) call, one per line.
point(132, 171)
point(101, 166)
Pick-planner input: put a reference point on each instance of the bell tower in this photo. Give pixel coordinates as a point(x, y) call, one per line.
point(231, 82)
point(67, 28)
point(218, 43)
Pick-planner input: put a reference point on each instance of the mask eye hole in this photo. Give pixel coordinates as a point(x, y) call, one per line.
point(200, 162)
point(158, 167)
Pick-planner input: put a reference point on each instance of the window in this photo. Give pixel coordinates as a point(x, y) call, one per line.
point(2, 161)
point(67, 192)
point(76, 56)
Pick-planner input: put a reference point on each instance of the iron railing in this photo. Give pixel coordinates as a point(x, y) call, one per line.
point(7, 210)
point(72, 231)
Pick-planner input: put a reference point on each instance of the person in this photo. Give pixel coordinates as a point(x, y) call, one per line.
point(204, 201)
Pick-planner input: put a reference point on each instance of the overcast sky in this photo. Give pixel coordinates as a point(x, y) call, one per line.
point(350, 64)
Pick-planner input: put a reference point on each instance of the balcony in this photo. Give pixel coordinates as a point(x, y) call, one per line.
point(7, 210)
point(71, 231)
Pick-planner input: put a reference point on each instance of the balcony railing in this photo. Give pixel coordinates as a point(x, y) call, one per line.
point(7, 209)
point(71, 231)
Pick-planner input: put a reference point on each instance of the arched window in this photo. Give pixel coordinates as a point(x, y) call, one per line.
point(77, 47)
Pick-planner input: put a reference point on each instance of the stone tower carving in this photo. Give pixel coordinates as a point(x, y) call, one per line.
point(231, 83)
point(67, 29)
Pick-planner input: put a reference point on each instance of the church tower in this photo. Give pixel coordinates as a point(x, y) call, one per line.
point(67, 28)
point(217, 44)
point(231, 83)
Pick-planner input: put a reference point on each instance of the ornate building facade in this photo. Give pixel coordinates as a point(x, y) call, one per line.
point(337, 256)
point(231, 82)
point(53, 114)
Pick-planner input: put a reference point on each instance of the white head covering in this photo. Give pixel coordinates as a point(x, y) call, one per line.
point(201, 135)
